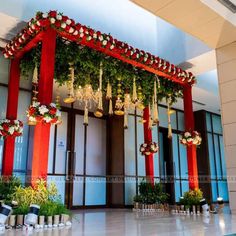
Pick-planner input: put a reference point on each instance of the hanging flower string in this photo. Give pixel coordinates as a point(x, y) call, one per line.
point(148, 148)
point(81, 33)
point(49, 114)
point(13, 128)
point(189, 138)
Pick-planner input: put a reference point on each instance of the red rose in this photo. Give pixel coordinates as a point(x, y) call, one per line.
point(54, 120)
point(52, 14)
point(67, 28)
point(65, 18)
point(58, 24)
point(53, 111)
point(5, 127)
point(44, 22)
point(32, 111)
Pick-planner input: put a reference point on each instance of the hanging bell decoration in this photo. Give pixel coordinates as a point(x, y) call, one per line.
point(99, 112)
point(140, 105)
point(169, 119)
point(109, 97)
point(86, 114)
point(70, 84)
point(155, 106)
point(119, 104)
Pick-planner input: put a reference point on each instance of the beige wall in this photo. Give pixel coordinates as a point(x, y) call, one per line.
point(226, 65)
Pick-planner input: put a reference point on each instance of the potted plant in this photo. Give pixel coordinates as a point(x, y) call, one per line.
point(20, 211)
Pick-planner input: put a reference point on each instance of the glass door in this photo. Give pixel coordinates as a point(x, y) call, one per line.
point(77, 160)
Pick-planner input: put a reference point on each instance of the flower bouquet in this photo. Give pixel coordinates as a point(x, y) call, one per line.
point(148, 148)
point(12, 128)
point(49, 114)
point(190, 138)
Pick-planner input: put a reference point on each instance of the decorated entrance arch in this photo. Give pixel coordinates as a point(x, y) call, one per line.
point(58, 46)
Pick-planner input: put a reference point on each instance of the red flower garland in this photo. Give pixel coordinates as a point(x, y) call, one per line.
point(13, 128)
point(83, 33)
point(148, 148)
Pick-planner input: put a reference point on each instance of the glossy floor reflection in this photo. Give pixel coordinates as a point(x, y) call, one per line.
point(116, 222)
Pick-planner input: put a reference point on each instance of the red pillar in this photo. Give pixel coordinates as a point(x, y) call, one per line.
point(11, 114)
point(45, 89)
point(191, 150)
point(148, 138)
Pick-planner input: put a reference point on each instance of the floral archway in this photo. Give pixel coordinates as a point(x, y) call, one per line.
point(58, 47)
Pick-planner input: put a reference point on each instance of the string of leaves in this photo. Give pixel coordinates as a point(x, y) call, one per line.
point(87, 61)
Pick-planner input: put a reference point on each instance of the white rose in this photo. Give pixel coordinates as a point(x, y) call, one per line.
point(59, 17)
point(81, 30)
point(53, 105)
point(63, 25)
point(71, 30)
point(68, 22)
point(45, 15)
point(184, 141)
point(89, 38)
point(31, 118)
point(112, 46)
point(11, 130)
point(76, 32)
point(81, 35)
point(52, 20)
point(43, 109)
point(187, 134)
point(38, 23)
point(16, 122)
point(35, 104)
point(104, 42)
point(95, 35)
point(100, 37)
point(145, 145)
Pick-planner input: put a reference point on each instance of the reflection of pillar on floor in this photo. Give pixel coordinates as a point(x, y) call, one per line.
point(42, 131)
point(148, 138)
point(11, 114)
point(191, 150)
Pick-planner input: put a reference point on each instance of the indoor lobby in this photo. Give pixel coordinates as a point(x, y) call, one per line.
point(118, 117)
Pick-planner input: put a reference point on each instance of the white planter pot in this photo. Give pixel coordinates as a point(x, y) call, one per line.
point(49, 220)
point(41, 220)
point(56, 219)
point(20, 219)
point(12, 220)
point(5, 211)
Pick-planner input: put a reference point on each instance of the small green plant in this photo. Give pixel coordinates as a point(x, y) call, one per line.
point(51, 208)
point(8, 186)
point(21, 210)
point(151, 194)
point(192, 197)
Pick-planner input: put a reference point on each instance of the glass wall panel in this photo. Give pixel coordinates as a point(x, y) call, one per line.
point(130, 147)
point(96, 147)
point(177, 190)
point(173, 121)
point(61, 145)
point(141, 159)
point(161, 153)
point(208, 122)
point(4, 69)
point(185, 186)
point(211, 155)
point(183, 161)
point(222, 151)
point(163, 117)
point(95, 191)
point(223, 190)
point(79, 144)
point(51, 149)
point(130, 190)
point(175, 155)
point(78, 188)
point(217, 126)
point(181, 121)
point(214, 190)
point(217, 156)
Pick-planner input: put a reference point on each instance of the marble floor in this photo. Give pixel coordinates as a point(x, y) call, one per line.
point(117, 222)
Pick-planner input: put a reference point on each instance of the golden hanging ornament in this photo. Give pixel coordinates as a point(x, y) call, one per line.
point(155, 106)
point(86, 114)
point(150, 121)
point(140, 105)
point(134, 95)
point(109, 97)
point(169, 118)
point(99, 111)
point(70, 84)
point(119, 104)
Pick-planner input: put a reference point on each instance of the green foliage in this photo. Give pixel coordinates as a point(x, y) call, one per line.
point(21, 210)
point(51, 208)
point(192, 197)
point(8, 186)
point(150, 194)
point(87, 62)
point(38, 194)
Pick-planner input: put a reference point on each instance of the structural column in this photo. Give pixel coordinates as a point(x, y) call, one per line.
point(191, 150)
point(11, 114)
point(45, 89)
point(148, 138)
